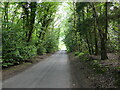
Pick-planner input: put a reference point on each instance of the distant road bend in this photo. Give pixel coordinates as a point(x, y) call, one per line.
point(52, 72)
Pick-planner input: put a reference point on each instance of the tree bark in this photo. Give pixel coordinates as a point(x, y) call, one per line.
point(32, 19)
point(87, 41)
point(96, 39)
point(102, 35)
point(26, 18)
point(91, 42)
point(119, 36)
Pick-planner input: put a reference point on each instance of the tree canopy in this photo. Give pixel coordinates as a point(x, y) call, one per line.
point(31, 28)
point(28, 30)
point(94, 28)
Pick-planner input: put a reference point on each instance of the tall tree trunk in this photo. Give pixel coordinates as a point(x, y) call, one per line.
point(96, 39)
point(103, 49)
point(102, 35)
point(104, 38)
point(90, 38)
point(106, 19)
point(91, 45)
point(87, 40)
point(32, 19)
point(26, 17)
point(119, 36)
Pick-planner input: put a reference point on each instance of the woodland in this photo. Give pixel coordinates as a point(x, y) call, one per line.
point(36, 28)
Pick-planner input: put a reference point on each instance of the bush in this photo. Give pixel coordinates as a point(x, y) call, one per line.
point(76, 53)
point(99, 69)
point(82, 55)
point(28, 51)
point(51, 49)
point(12, 57)
point(41, 50)
point(18, 54)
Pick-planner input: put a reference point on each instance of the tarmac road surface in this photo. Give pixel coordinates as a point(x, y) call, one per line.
point(52, 72)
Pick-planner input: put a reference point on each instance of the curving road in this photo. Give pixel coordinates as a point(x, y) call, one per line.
point(52, 72)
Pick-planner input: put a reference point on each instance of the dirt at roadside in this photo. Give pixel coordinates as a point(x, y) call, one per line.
point(79, 73)
point(84, 76)
point(14, 70)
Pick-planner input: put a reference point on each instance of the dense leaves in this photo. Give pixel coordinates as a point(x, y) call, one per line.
point(31, 28)
point(94, 28)
point(28, 30)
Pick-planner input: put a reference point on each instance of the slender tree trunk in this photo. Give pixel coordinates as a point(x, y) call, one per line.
point(26, 18)
point(96, 39)
point(119, 42)
point(90, 38)
point(87, 40)
point(102, 36)
point(32, 19)
point(45, 24)
point(119, 36)
point(103, 49)
point(91, 42)
point(106, 15)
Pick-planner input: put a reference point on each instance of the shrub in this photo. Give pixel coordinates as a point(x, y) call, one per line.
point(76, 53)
point(41, 50)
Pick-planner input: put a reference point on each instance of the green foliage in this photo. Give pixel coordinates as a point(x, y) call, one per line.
point(76, 53)
point(50, 44)
point(118, 68)
point(99, 69)
point(7, 64)
point(93, 28)
point(41, 49)
point(81, 54)
point(24, 33)
point(28, 51)
point(51, 40)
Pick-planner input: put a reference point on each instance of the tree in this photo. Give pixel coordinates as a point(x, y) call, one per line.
point(21, 24)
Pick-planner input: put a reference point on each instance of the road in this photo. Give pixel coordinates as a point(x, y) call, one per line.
point(52, 72)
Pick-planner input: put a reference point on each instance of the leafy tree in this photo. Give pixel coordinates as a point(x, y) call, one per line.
point(25, 28)
point(93, 28)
